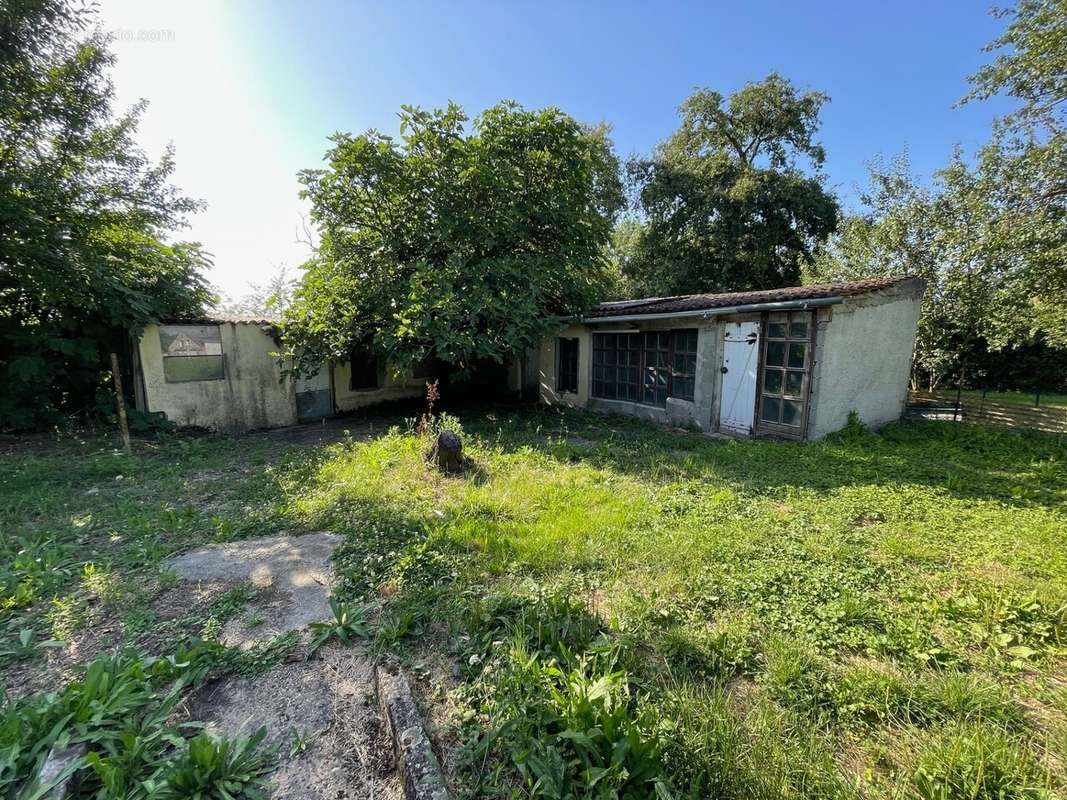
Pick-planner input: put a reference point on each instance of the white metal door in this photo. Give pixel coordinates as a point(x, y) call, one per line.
point(740, 359)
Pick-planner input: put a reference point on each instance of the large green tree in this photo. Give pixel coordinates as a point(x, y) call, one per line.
point(83, 215)
point(734, 199)
point(990, 232)
point(456, 243)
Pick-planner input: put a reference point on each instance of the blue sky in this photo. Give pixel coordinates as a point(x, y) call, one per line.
point(248, 92)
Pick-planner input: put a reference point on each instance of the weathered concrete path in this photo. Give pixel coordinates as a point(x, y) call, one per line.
point(292, 575)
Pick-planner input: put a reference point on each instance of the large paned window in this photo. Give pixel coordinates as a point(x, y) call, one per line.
point(566, 365)
point(786, 371)
point(645, 367)
point(684, 365)
point(616, 364)
point(657, 373)
point(191, 353)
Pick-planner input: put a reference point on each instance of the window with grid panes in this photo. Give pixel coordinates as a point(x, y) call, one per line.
point(684, 366)
point(784, 384)
point(657, 372)
point(616, 366)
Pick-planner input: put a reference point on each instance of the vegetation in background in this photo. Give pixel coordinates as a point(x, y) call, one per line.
point(84, 215)
point(877, 614)
point(726, 203)
point(262, 300)
point(990, 234)
point(453, 244)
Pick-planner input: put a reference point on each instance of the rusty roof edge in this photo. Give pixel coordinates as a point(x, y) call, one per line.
point(706, 313)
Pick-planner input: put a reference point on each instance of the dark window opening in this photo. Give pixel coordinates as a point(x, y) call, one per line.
point(364, 371)
point(645, 367)
point(566, 365)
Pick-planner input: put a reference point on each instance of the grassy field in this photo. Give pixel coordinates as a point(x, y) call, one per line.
point(601, 608)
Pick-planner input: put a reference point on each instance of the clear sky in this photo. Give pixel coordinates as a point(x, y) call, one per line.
point(249, 91)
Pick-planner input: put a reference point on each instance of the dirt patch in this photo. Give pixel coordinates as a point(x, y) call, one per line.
point(323, 718)
point(294, 570)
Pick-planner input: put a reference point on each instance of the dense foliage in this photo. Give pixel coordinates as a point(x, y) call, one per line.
point(83, 214)
point(725, 202)
point(990, 233)
point(454, 244)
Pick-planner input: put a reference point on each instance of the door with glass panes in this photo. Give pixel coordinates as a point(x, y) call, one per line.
point(785, 373)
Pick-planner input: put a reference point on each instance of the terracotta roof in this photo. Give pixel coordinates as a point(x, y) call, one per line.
point(709, 302)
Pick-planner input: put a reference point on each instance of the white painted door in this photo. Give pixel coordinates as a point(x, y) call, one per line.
point(740, 360)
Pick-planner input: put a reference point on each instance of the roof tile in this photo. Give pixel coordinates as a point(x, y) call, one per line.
point(701, 302)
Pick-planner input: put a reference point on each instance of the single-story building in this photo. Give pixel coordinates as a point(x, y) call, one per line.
point(784, 362)
point(221, 373)
point(788, 362)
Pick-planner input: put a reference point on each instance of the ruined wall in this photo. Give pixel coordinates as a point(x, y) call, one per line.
point(250, 396)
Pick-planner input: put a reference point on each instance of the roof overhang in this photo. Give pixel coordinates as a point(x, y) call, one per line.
point(708, 313)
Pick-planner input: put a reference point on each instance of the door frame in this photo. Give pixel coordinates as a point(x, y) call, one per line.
point(784, 431)
point(718, 427)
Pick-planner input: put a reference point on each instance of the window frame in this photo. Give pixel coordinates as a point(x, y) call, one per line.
point(567, 382)
point(219, 357)
point(804, 397)
point(636, 364)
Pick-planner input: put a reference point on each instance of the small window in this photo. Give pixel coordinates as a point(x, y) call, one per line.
point(191, 353)
point(364, 370)
point(566, 365)
point(684, 366)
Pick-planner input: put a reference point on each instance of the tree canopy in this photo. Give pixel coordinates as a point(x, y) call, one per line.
point(990, 233)
point(83, 216)
point(733, 200)
point(454, 243)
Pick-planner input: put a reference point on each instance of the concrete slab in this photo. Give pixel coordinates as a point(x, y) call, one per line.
point(291, 573)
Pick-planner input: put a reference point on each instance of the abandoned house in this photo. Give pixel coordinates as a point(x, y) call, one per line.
point(784, 362)
point(221, 373)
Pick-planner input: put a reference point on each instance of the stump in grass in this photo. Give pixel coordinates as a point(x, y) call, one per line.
point(447, 453)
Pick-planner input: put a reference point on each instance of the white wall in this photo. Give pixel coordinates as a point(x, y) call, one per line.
point(251, 396)
point(863, 361)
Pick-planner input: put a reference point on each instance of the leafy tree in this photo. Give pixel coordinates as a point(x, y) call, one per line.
point(270, 299)
point(990, 233)
point(83, 214)
point(1034, 67)
point(727, 202)
point(459, 245)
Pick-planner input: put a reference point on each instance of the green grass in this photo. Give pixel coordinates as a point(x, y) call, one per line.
point(635, 610)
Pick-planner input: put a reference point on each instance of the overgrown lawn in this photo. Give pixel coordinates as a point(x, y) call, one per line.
point(612, 609)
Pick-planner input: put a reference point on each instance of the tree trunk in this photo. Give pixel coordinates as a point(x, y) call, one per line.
point(447, 453)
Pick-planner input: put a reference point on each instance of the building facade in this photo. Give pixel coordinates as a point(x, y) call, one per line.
point(223, 374)
point(791, 363)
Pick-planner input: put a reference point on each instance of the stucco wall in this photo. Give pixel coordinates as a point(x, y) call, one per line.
point(389, 388)
point(863, 356)
point(546, 373)
point(251, 395)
